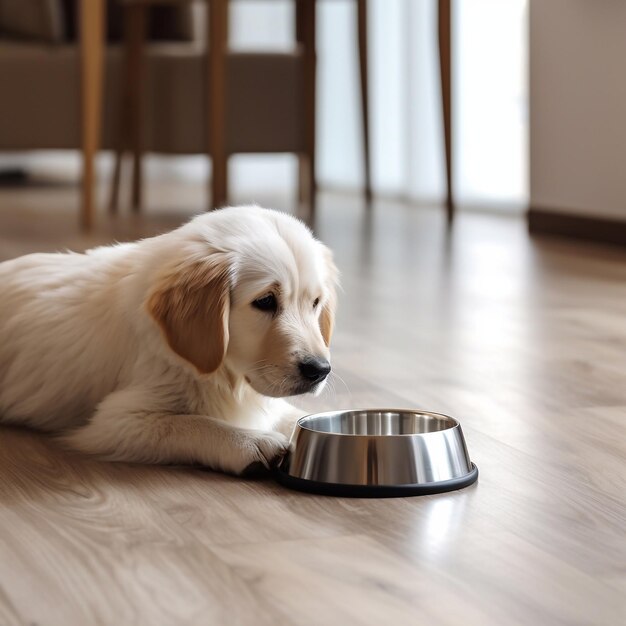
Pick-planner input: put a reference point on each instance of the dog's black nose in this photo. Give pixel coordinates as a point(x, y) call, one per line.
point(314, 369)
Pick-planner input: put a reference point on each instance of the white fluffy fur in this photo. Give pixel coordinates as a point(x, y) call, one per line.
point(81, 353)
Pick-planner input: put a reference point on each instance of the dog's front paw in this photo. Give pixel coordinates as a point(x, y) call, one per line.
point(259, 448)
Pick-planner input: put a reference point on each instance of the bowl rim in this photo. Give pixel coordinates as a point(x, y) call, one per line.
point(456, 423)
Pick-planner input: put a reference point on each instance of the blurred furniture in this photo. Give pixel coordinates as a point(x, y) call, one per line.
point(221, 103)
point(59, 93)
point(44, 70)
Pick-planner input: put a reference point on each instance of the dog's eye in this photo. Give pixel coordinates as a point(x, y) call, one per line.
point(266, 303)
point(316, 302)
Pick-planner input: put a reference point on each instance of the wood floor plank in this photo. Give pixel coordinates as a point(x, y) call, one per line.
point(523, 340)
point(345, 580)
point(90, 538)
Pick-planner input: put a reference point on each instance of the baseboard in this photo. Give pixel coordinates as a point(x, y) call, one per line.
point(600, 229)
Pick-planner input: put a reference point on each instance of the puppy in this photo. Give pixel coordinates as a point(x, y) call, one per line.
point(174, 349)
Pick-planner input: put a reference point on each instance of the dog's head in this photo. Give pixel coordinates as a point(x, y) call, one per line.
point(254, 292)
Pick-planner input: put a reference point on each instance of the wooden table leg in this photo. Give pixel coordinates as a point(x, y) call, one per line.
point(92, 21)
point(305, 34)
point(216, 99)
point(363, 66)
point(445, 65)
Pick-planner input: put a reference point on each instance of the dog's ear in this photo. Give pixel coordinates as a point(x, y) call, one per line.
point(192, 306)
point(327, 315)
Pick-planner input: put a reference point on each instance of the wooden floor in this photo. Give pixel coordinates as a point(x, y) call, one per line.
point(524, 341)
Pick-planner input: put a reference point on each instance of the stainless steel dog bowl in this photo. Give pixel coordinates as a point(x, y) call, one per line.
point(377, 453)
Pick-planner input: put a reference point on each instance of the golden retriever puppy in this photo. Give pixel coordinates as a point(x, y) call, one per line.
point(174, 349)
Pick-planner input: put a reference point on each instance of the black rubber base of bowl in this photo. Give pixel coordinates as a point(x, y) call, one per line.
point(375, 491)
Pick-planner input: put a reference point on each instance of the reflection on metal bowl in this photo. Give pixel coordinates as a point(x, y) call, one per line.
point(377, 453)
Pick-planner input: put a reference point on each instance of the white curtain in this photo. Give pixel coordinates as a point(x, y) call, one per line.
point(489, 94)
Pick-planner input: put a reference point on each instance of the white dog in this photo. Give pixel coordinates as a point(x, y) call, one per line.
point(174, 349)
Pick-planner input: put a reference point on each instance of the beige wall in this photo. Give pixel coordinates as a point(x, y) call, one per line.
point(578, 106)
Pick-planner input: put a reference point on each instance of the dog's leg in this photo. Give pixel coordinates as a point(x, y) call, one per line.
point(138, 435)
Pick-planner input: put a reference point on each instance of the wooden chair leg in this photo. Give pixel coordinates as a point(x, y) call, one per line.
point(363, 66)
point(302, 159)
point(92, 20)
point(130, 105)
point(305, 35)
point(114, 198)
point(135, 39)
point(216, 99)
point(445, 65)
